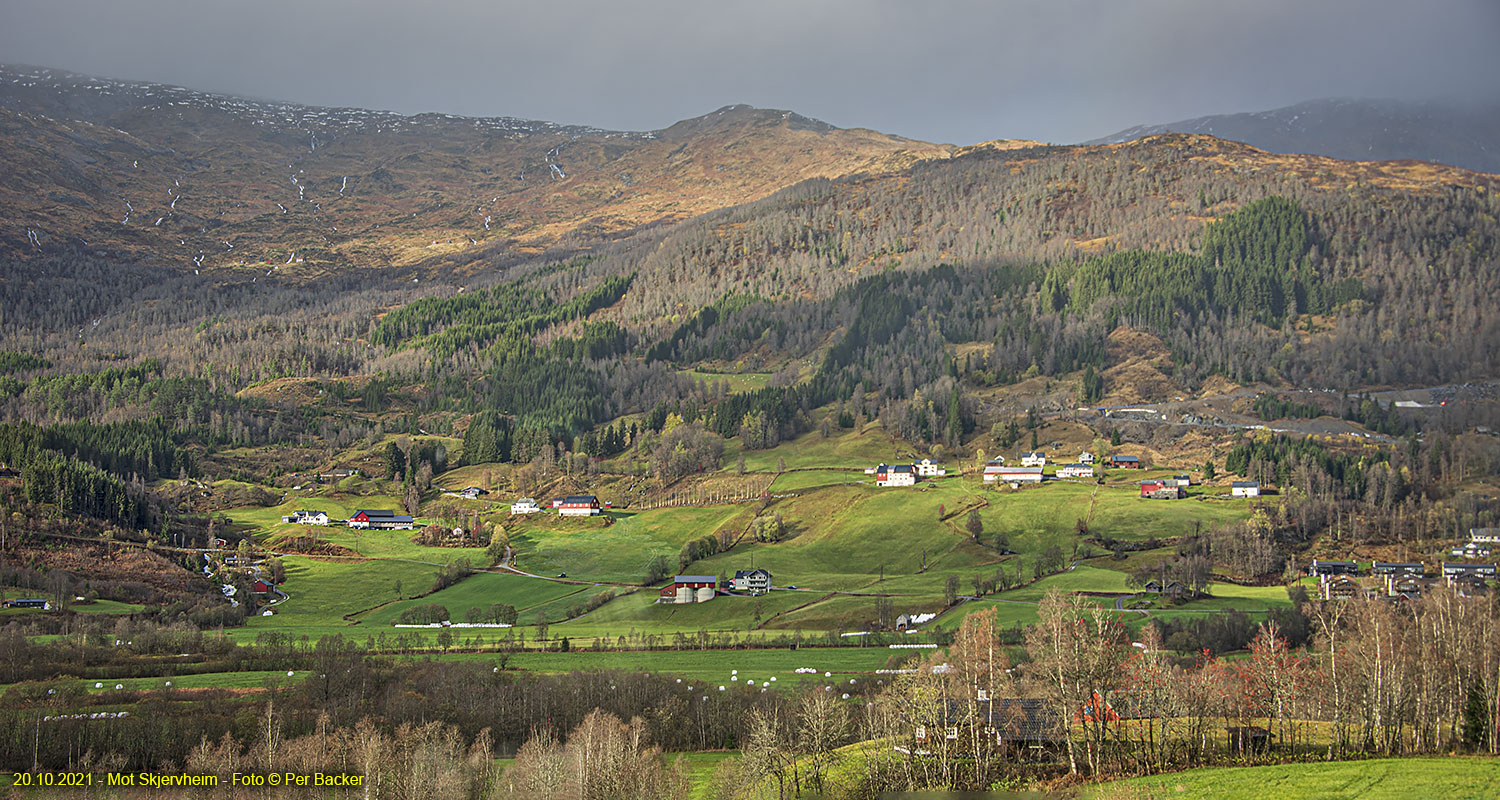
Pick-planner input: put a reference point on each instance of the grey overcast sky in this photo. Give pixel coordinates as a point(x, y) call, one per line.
point(957, 71)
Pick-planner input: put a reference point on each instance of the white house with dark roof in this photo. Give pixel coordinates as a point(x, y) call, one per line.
point(753, 581)
point(1244, 489)
point(1484, 535)
point(307, 518)
point(525, 505)
point(1079, 470)
point(1037, 459)
point(927, 468)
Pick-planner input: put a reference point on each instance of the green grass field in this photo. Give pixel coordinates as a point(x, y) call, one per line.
point(96, 607)
point(587, 549)
point(717, 665)
point(736, 381)
point(482, 590)
point(322, 592)
point(639, 612)
point(1377, 779)
point(841, 450)
point(811, 478)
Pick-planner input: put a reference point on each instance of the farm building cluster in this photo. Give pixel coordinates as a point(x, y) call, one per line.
point(363, 519)
point(702, 588)
point(581, 505)
point(906, 474)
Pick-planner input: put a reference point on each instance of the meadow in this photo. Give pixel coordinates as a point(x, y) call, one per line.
point(1376, 779)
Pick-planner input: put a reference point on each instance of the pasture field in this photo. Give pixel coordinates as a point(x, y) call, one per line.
point(323, 592)
point(588, 550)
point(848, 613)
point(716, 666)
point(1466, 778)
point(640, 612)
point(482, 590)
point(840, 450)
point(813, 478)
point(393, 545)
point(700, 768)
point(96, 607)
point(736, 381)
point(255, 679)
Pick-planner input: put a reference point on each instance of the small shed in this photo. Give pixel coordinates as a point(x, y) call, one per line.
point(1248, 740)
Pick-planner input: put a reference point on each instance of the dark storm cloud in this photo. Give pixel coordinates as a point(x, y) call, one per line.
point(1057, 70)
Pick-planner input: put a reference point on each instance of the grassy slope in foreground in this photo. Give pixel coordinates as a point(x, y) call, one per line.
point(1380, 779)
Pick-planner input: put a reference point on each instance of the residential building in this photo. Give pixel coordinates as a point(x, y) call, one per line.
point(1079, 470)
point(473, 492)
point(1181, 481)
point(1338, 587)
point(1320, 568)
point(1484, 535)
point(307, 518)
point(1037, 459)
point(1414, 569)
point(1085, 457)
point(753, 581)
point(1453, 570)
point(28, 602)
point(1402, 586)
point(1125, 462)
point(525, 505)
point(895, 475)
point(1244, 489)
point(927, 468)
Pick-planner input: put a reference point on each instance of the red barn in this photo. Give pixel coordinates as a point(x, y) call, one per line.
point(583, 505)
point(1159, 490)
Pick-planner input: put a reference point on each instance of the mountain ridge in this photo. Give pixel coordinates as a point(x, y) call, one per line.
point(1355, 129)
point(108, 162)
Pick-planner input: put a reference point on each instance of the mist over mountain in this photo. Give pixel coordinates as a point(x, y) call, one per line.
point(1357, 130)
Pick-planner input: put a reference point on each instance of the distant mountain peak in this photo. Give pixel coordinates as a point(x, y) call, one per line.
point(741, 114)
point(1355, 129)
